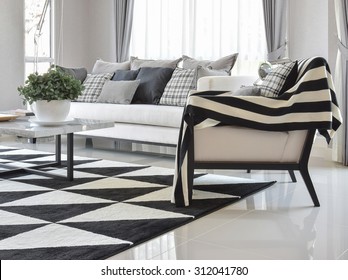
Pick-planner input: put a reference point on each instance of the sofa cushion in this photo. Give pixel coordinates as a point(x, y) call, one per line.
point(279, 79)
point(78, 73)
point(147, 114)
point(93, 86)
point(178, 87)
point(101, 66)
point(225, 63)
point(152, 84)
point(118, 92)
point(137, 63)
point(125, 75)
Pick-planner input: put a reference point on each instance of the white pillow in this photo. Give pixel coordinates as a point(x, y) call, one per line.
point(101, 66)
point(118, 92)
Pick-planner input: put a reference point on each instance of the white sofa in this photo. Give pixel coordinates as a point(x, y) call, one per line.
point(143, 123)
point(152, 124)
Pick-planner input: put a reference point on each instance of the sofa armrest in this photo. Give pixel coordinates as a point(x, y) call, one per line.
point(228, 83)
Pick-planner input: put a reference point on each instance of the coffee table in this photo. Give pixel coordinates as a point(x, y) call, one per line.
point(23, 127)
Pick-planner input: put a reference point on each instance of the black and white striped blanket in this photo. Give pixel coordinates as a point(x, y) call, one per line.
point(310, 104)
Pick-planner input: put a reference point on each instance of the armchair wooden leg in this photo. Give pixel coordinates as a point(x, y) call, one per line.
point(309, 184)
point(248, 170)
point(292, 176)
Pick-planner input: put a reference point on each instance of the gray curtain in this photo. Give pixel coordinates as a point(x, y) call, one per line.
point(341, 9)
point(275, 26)
point(124, 21)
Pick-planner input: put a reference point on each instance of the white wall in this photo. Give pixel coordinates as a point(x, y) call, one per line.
point(308, 28)
point(74, 37)
point(312, 30)
point(88, 33)
point(11, 53)
point(102, 40)
point(333, 49)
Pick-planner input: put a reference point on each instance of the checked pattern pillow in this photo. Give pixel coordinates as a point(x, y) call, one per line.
point(93, 87)
point(178, 87)
point(279, 80)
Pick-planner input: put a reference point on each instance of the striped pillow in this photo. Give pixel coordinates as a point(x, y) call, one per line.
point(178, 87)
point(93, 86)
point(279, 79)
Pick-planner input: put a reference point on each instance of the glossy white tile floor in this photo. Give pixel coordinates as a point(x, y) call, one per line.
point(278, 223)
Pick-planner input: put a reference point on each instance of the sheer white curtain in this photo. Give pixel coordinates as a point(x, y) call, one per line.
point(203, 29)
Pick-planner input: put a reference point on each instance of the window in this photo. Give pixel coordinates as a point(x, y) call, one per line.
point(34, 10)
point(204, 29)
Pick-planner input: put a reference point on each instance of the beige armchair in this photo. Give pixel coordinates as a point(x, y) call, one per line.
point(222, 131)
point(233, 147)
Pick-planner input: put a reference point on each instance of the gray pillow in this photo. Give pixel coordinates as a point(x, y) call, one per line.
point(153, 81)
point(225, 63)
point(118, 92)
point(78, 73)
point(137, 63)
point(125, 75)
point(101, 66)
point(247, 91)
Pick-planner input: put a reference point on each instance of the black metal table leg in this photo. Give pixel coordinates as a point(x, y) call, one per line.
point(58, 149)
point(70, 156)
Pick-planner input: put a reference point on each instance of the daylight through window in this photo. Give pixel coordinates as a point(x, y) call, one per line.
point(33, 13)
point(204, 29)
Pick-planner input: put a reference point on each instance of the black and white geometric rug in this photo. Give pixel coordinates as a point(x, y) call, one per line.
point(109, 207)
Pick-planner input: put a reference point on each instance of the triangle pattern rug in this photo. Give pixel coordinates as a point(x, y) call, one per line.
point(109, 207)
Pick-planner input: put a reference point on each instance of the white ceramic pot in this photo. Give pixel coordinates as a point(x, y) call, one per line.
point(51, 111)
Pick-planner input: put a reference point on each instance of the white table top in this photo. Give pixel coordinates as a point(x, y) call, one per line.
point(23, 127)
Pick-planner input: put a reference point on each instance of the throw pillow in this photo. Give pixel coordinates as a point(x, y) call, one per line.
point(125, 75)
point(153, 81)
point(291, 79)
point(137, 63)
point(93, 86)
point(118, 92)
point(225, 63)
point(101, 66)
point(178, 87)
point(279, 80)
point(78, 73)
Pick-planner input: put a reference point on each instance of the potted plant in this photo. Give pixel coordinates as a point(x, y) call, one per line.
point(50, 94)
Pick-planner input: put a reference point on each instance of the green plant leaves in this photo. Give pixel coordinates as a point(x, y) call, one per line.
point(52, 85)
